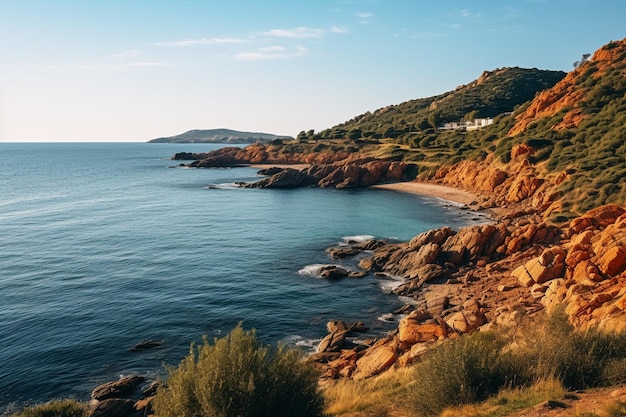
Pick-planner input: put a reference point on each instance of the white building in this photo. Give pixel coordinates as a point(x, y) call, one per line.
point(468, 125)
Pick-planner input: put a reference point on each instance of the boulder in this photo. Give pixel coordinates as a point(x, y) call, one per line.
point(145, 345)
point(436, 236)
point(358, 326)
point(338, 252)
point(436, 304)
point(548, 266)
point(376, 360)
point(117, 389)
point(333, 342)
point(113, 407)
point(412, 330)
point(336, 325)
point(468, 319)
point(613, 260)
point(333, 272)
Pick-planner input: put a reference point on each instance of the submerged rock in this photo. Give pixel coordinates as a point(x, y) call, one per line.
point(146, 344)
point(334, 272)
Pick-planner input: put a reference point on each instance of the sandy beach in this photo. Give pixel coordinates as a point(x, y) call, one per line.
point(431, 190)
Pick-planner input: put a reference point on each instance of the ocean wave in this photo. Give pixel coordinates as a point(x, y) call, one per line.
point(308, 345)
point(387, 318)
point(356, 239)
point(390, 283)
point(223, 186)
point(314, 270)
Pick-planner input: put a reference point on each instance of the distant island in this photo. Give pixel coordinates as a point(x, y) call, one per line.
point(219, 136)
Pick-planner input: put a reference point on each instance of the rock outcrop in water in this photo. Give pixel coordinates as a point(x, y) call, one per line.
point(327, 170)
point(351, 173)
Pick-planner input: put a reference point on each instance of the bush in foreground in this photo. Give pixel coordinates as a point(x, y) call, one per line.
point(578, 359)
point(461, 371)
point(472, 368)
point(62, 408)
point(237, 376)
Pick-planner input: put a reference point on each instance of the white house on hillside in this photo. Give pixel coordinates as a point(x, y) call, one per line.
point(468, 125)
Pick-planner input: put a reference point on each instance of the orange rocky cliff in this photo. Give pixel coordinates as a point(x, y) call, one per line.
point(493, 274)
point(569, 93)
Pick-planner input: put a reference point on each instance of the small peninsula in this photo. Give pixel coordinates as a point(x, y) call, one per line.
point(219, 136)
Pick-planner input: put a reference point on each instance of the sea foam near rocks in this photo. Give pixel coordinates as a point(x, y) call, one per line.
point(223, 186)
point(348, 240)
point(313, 270)
point(390, 283)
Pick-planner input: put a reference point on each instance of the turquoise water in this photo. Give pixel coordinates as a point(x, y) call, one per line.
point(105, 245)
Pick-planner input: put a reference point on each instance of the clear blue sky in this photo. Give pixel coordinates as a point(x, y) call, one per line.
point(133, 70)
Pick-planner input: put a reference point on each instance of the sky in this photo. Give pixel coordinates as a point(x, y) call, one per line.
point(134, 70)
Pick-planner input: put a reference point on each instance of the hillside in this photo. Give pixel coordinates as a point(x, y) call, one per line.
point(562, 148)
point(219, 136)
point(493, 93)
point(571, 137)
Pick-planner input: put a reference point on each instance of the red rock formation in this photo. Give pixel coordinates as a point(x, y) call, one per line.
point(569, 92)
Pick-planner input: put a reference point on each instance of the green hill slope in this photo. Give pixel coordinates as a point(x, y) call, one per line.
point(493, 93)
point(219, 136)
point(575, 125)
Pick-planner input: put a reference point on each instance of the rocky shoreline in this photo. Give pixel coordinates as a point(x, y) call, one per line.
point(479, 277)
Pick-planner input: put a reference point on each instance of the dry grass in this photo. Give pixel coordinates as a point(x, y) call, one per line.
point(511, 400)
point(380, 396)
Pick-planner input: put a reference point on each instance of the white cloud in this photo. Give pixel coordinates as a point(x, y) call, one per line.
point(336, 29)
point(201, 41)
point(272, 49)
point(468, 14)
point(123, 60)
point(130, 53)
point(296, 33)
point(270, 53)
point(147, 64)
point(364, 17)
point(424, 35)
point(103, 66)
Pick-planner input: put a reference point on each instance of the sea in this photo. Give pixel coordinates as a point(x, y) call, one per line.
point(104, 245)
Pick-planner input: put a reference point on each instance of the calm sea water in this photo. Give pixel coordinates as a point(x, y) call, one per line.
point(105, 245)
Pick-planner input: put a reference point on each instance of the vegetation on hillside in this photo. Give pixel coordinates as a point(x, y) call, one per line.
point(492, 94)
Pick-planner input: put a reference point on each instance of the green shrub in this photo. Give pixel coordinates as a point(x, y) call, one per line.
point(461, 371)
point(578, 359)
point(61, 408)
point(614, 372)
point(237, 376)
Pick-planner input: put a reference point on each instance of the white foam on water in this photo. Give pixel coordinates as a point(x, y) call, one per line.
point(408, 300)
point(356, 239)
point(315, 270)
point(223, 186)
point(387, 318)
point(390, 283)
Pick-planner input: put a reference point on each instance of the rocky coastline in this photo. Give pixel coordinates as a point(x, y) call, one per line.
point(480, 277)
